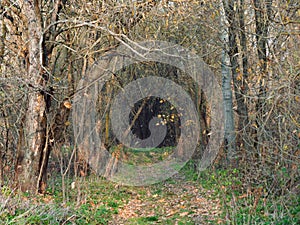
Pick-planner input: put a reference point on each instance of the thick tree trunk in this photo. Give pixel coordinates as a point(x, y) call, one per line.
point(33, 143)
point(34, 149)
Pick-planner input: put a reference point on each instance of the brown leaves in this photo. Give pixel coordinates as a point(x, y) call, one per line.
point(68, 104)
point(182, 200)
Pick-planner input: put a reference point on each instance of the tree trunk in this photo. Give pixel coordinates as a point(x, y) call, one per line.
point(242, 83)
point(227, 92)
point(33, 144)
point(262, 15)
point(239, 77)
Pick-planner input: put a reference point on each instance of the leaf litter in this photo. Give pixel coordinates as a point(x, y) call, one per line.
point(175, 200)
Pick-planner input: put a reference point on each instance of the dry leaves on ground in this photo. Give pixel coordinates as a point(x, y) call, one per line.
point(180, 199)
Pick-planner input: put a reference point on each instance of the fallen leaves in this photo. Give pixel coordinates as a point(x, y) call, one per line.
point(176, 200)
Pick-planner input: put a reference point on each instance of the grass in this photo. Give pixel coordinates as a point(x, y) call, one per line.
point(211, 197)
point(143, 156)
point(251, 203)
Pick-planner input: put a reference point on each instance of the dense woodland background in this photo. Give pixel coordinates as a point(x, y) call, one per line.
point(252, 46)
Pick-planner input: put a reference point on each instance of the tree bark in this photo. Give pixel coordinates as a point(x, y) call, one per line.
point(239, 77)
point(262, 15)
point(242, 83)
point(33, 144)
point(226, 87)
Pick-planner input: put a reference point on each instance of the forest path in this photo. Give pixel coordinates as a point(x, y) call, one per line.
point(176, 201)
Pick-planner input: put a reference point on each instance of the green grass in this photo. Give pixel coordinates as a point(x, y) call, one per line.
point(97, 201)
point(243, 204)
point(143, 156)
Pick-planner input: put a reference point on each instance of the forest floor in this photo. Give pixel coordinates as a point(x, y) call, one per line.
point(212, 197)
point(177, 201)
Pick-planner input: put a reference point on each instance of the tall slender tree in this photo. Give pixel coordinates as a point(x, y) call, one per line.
point(262, 17)
point(226, 86)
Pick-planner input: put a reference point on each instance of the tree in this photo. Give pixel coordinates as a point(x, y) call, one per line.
point(31, 153)
point(262, 17)
point(229, 136)
point(43, 124)
point(34, 149)
point(46, 47)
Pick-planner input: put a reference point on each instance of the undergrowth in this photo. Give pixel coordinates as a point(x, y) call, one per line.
point(93, 200)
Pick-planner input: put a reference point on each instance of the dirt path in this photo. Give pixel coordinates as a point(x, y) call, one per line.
point(176, 202)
